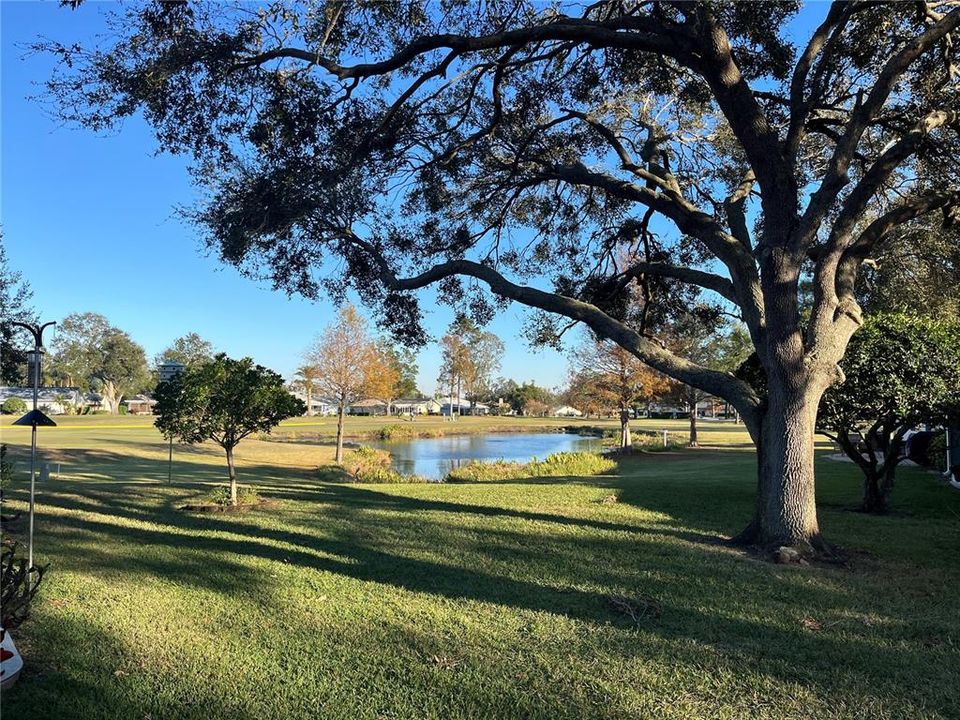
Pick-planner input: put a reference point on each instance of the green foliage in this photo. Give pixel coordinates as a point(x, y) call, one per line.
point(94, 353)
point(18, 585)
point(13, 406)
point(15, 294)
point(6, 468)
point(224, 400)
point(937, 451)
point(567, 464)
point(900, 369)
point(220, 495)
point(188, 350)
point(365, 464)
point(396, 431)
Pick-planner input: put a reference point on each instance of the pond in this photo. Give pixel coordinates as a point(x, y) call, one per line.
point(433, 458)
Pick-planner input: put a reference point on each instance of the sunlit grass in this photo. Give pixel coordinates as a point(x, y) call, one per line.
point(472, 600)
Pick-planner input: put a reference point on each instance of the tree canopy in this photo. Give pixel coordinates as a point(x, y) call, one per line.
point(15, 294)
point(93, 354)
point(189, 349)
point(901, 370)
point(530, 148)
point(224, 400)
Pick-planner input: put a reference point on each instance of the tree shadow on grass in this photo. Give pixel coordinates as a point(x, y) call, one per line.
point(215, 556)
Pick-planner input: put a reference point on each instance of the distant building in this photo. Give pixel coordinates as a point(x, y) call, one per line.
point(52, 400)
point(418, 406)
point(566, 411)
point(168, 370)
point(369, 406)
point(139, 405)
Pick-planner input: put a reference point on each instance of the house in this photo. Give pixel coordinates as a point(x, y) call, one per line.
point(417, 406)
point(566, 411)
point(319, 405)
point(370, 406)
point(139, 405)
point(462, 406)
point(51, 400)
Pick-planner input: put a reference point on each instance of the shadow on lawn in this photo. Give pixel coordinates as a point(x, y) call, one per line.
point(347, 539)
point(369, 534)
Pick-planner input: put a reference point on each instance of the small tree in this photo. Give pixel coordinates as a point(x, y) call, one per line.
point(346, 359)
point(305, 378)
point(901, 370)
point(224, 400)
point(606, 376)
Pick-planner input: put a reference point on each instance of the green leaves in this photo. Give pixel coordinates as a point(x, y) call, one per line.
point(901, 369)
point(224, 400)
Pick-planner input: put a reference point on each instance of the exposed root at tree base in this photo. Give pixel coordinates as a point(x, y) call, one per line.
point(815, 551)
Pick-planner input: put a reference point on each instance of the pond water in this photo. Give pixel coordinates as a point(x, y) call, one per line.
point(433, 458)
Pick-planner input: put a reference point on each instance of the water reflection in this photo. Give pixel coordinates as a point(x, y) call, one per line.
point(435, 457)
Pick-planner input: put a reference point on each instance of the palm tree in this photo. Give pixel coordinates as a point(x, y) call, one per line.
point(306, 376)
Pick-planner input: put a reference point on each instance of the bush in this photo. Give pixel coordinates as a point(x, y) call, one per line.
point(396, 432)
point(124, 409)
point(246, 495)
point(367, 465)
point(568, 464)
point(6, 468)
point(13, 406)
point(937, 451)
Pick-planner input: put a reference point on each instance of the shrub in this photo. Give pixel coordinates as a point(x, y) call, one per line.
point(13, 406)
point(367, 465)
point(395, 432)
point(18, 585)
point(568, 464)
point(246, 495)
point(937, 451)
point(124, 409)
point(6, 468)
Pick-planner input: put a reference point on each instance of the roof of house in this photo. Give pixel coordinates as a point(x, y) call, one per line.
point(44, 394)
point(369, 402)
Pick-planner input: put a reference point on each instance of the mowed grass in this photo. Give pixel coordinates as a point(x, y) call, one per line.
point(473, 600)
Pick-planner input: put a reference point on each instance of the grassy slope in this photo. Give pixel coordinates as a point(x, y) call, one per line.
point(474, 601)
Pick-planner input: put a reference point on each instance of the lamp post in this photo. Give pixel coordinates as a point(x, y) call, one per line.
point(34, 418)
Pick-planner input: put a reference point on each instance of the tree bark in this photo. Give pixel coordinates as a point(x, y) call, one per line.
point(626, 440)
point(341, 412)
point(693, 426)
point(309, 389)
point(112, 397)
point(874, 499)
point(786, 510)
point(233, 475)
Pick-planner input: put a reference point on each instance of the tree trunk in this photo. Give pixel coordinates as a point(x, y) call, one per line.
point(693, 426)
point(874, 499)
point(309, 401)
point(625, 438)
point(112, 397)
point(340, 414)
point(233, 476)
point(786, 510)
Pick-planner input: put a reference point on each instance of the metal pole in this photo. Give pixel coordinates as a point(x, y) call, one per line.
point(37, 332)
point(33, 447)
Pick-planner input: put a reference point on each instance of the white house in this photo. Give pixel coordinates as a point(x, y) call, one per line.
point(52, 400)
point(417, 406)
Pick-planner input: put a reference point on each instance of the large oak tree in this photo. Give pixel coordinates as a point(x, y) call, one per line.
point(524, 147)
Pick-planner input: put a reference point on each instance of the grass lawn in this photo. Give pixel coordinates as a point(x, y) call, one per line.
point(472, 600)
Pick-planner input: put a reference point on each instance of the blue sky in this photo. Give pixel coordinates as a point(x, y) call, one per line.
point(90, 221)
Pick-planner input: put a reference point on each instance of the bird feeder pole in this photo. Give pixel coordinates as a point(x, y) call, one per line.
point(33, 419)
